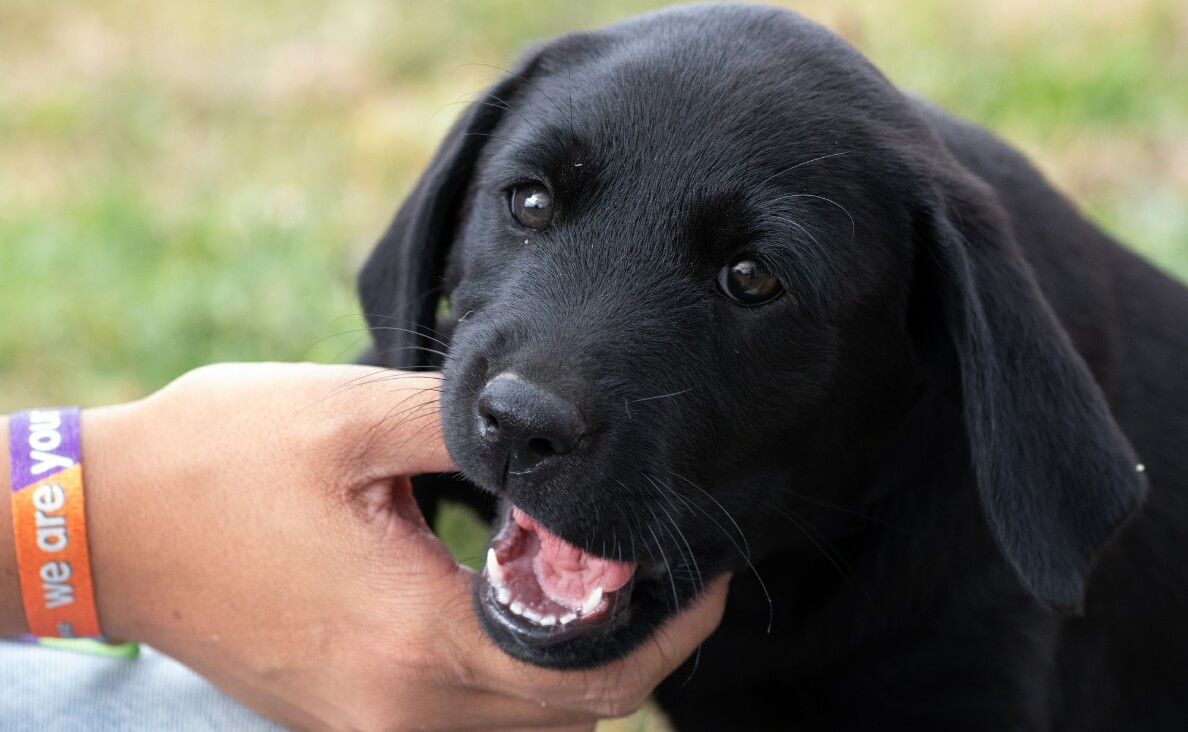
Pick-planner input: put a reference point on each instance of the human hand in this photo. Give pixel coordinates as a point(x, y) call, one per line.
point(256, 522)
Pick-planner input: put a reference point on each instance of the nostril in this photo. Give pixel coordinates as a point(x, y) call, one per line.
point(541, 447)
point(490, 423)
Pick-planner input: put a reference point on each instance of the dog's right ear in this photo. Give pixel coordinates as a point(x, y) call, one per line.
point(400, 284)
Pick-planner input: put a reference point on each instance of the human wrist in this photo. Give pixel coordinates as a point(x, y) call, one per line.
point(114, 480)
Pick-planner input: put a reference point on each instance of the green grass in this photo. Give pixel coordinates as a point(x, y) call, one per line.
point(189, 182)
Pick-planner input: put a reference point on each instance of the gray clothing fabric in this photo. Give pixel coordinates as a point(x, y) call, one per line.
point(55, 690)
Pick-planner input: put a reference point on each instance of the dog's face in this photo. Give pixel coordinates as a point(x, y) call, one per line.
point(659, 291)
point(681, 255)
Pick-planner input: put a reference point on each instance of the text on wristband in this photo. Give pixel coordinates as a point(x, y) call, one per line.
point(49, 523)
point(44, 438)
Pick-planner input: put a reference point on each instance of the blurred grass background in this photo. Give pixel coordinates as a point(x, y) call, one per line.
point(185, 182)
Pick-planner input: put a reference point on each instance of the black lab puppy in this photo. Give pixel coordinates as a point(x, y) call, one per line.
point(726, 300)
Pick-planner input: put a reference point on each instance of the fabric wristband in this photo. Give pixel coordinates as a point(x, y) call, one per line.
point(49, 523)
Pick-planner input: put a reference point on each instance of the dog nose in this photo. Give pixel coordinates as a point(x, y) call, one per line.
point(527, 421)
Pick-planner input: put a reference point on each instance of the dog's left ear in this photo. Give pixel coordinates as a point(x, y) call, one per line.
point(400, 285)
point(1054, 473)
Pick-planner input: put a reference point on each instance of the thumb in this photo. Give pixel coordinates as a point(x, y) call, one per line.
point(394, 415)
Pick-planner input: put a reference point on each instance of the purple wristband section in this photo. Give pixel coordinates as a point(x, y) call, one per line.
point(42, 442)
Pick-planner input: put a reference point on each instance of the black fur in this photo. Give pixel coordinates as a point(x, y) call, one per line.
point(923, 452)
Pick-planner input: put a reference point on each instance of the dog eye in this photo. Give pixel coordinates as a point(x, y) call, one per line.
point(748, 281)
point(532, 206)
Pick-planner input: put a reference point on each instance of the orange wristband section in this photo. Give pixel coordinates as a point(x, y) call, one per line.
point(49, 524)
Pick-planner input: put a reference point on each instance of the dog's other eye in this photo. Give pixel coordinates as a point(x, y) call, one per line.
point(748, 281)
point(532, 206)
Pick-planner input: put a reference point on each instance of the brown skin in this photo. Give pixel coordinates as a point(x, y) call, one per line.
point(255, 522)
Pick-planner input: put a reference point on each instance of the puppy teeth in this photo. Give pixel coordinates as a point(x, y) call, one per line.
point(494, 568)
point(548, 620)
point(591, 603)
point(503, 595)
point(533, 615)
point(568, 618)
point(517, 607)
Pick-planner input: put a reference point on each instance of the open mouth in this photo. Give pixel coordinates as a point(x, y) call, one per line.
point(542, 589)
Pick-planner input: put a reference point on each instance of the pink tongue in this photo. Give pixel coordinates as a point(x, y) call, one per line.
point(567, 574)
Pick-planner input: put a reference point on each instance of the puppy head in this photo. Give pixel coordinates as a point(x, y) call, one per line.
point(682, 255)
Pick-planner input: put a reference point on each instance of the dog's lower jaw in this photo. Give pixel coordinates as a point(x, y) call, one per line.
point(552, 629)
point(589, 647)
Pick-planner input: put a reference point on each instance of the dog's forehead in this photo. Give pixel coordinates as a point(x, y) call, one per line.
point(731, 95)
point(777, 132)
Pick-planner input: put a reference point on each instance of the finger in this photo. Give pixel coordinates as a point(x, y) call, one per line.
point(617, 688)
point(495, 712)
point(680, 636)
point(408, 421)
point(393, 414)
point(621, 687)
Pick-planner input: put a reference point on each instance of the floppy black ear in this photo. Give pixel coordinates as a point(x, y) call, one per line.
point(400, 284)
point(1054, 473)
